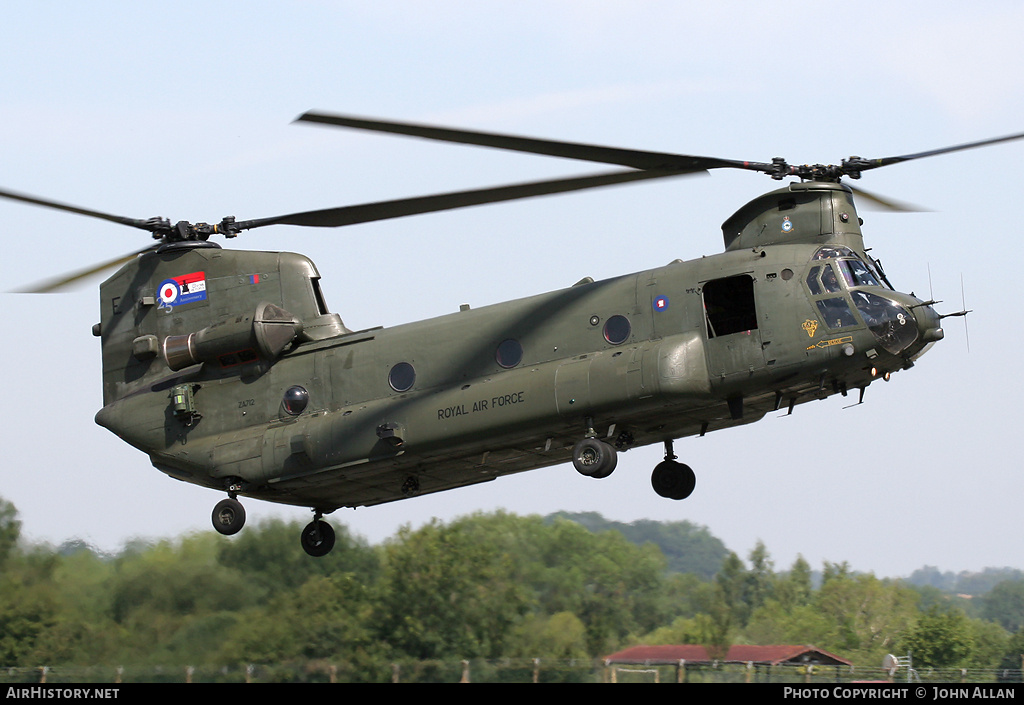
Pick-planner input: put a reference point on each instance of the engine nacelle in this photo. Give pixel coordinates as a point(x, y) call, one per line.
point(264, 334)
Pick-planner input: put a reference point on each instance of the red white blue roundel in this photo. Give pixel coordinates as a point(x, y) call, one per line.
point(169, 292)
point(660, 303)
point(185, 289)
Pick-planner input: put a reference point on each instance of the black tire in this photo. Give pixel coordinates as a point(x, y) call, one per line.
point(594, 458)
point(317, 538)
point(228, 516)
point(673, 480)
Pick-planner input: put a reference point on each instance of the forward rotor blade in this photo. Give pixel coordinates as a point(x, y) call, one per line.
point(25, 198)
point(865, 164)
point(56, 284)
point(885, 203)
point(385, 210)
point(571, 150)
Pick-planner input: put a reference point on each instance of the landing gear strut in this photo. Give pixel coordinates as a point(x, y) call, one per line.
point(671, 478)
point(228, 516)
point(317, 537)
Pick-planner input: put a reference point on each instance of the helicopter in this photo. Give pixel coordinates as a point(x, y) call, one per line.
point(227, 368)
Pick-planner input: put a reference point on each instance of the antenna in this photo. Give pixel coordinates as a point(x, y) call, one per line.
point(962, 313)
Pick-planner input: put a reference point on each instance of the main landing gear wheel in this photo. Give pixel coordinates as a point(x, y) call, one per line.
point(594, 458)
point(672, 479)
point(317, 538)
point(228, 516)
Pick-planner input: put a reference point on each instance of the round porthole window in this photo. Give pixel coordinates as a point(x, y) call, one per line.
point(617, 329)
point(509, 353)
point(402, 377)
point(295, 400)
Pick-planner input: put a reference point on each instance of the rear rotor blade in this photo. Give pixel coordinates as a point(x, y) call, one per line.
point(150, 225)
point(56, 284)
point(384, 210)
point(636, 159)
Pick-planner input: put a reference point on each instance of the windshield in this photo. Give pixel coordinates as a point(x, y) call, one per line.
point(892, 325)
point(855, 270)
point(857, 273)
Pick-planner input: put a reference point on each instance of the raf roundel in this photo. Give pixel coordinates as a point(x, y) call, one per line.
point(169, 292)
point(660, 303)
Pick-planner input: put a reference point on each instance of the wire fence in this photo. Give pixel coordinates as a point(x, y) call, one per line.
point(501, 671)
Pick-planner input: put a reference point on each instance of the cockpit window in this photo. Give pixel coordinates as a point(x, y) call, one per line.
point(812, 281)
point(832, 251)
point(823, 280)
point(836, 313)
point(829, 279)
point(857, 273)
point(892, 325)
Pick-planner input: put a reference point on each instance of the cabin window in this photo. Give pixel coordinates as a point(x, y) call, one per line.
point(617, 329)
point(402, 377)
point(509, 353)
point(729, 305)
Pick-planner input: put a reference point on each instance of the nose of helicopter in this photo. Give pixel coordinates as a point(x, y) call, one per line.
point(928, 324)
point(928, 327)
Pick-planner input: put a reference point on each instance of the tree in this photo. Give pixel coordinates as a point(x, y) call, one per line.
point(265, 553)
point(558, 636)
point(1012, 657)
point(10, 529)
point(866, 615)
point(1004, 604)
point(687, 547)
point(940, 638)
point(761, 578)
point(447, 593)
point(795, 589)
point(28, 604)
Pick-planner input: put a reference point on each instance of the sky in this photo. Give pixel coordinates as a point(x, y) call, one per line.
point(185, 110)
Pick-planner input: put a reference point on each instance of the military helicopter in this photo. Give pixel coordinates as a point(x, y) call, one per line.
point(229, 371)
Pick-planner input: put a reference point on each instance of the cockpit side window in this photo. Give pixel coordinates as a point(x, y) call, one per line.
point(812, 281)
point(829, 279)
point(836, 312)
point(822, 280)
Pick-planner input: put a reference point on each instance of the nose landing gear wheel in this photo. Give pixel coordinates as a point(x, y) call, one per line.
point(317, 538)
point(594, 458)
point(228, 516)
point(673, 479)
